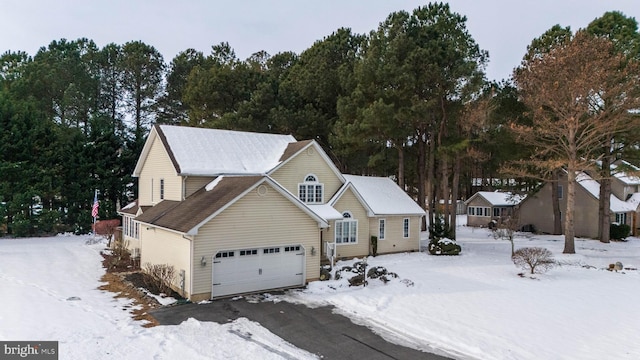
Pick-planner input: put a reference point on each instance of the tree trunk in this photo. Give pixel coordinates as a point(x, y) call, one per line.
point(454, 195)
point(401, 166)
point(555, 201)
point(604, 204)
point(422, 181)
point(431, 180)
point(444, 173)
point(569, 226)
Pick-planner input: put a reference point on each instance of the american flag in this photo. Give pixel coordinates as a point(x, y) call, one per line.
point(94, 210)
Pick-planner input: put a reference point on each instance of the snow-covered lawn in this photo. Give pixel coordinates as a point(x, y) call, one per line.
point(48, 291)
point(475, 306)
point(472, 306)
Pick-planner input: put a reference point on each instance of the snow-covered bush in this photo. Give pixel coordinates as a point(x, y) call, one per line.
point(535, 259)
point(444, 247)
point(440, 244)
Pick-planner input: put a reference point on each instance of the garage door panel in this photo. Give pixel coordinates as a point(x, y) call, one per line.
point(251, 270)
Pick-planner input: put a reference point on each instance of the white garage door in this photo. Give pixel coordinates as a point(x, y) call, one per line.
point(249, 270)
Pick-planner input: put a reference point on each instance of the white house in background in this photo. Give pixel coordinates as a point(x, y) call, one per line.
point(486, 208)
point(237, 212)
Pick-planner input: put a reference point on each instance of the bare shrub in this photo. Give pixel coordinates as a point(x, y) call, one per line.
point(535, 259)
point(106, 228)
point(120, 258)
point(507, 228)
point(160, 275)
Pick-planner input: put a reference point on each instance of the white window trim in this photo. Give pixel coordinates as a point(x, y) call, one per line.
point(407, 234)
point(314, 185)
point(131, 228)
point(481, 211)
point(352, 222)
point(382, 229)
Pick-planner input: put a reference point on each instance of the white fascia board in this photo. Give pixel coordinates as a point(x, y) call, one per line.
point(153, 135)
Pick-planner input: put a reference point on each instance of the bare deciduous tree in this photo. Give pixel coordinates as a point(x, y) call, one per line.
point(565, 90)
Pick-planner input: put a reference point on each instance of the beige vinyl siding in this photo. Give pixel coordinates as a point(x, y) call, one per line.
point(255, 221)
point(158, 166)
point(165, 247)
point(307, 162)
point(195, 183)
point(349, 202)
point(538, 210)
point(475, 220)
point(394, 240)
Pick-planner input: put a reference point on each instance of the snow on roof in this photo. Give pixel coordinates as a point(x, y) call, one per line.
point(500, 198)
point(383, 196)
point(593, 187)
point(624, 176)
point(634, 200)
point(213, 184)
point(199, 151)
point(130, 205)
point(325, 211)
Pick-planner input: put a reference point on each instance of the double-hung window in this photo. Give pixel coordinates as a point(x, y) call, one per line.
point(346, 229)
point(405, 227)
point(382, 224)
point(311, 190)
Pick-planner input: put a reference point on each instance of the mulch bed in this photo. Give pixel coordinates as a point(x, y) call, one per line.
point(124, 278)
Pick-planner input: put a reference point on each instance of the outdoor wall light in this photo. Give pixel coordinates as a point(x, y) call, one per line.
point(203, 261)
point(313, 250)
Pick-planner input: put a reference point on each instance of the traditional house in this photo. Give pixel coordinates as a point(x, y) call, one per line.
point(537, 209)
point(486, 208)
point(237, 212)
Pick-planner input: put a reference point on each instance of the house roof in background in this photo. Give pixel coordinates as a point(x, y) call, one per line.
point(593, 187)
point(381, 196)
point(498, 198)
point(625, 176)
point(211, 152)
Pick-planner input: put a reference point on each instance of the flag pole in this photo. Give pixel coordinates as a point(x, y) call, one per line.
point(94, 210)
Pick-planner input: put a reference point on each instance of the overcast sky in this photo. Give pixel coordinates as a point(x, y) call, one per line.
point(502, 27)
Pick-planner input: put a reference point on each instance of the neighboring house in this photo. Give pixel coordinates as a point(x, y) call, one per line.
point(537, 209)
point(237, 212)
point(486, 208)
point(625, 185)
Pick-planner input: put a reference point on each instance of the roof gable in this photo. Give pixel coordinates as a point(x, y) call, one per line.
point(380, 196)
point(497, 198)
point(294, 149)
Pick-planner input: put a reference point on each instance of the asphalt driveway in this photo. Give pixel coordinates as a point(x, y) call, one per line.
point(319, 331)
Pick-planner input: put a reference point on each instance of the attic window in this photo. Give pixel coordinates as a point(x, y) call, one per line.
point(311, 191)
